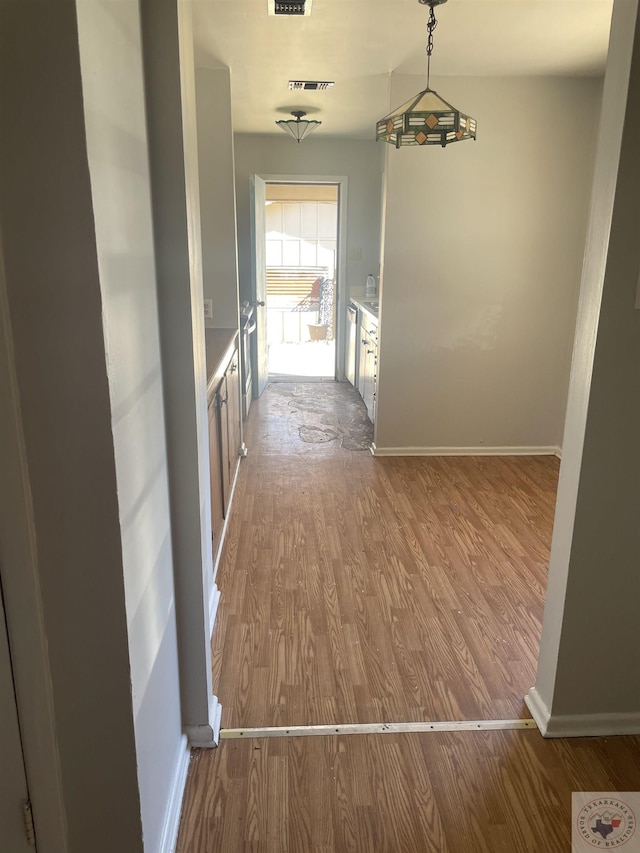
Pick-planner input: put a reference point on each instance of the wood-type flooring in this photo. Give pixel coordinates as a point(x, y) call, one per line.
point(462, 792)
point(358, 589)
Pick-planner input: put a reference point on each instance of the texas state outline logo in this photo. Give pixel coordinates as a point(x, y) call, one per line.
point(605, 821)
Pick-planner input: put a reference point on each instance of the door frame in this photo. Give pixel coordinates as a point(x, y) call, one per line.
point(342, 182)
point(24, 609)
point(13, 784)
point(259, 346)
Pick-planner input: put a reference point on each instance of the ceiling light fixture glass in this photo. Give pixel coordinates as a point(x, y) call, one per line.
point(296, 127)
point(426, 119)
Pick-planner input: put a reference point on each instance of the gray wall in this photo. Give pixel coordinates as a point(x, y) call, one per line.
point(217, 195)
point(55, 302)
point(360, 162)
point(589, 669)
point(483, 245)
point(111, 51)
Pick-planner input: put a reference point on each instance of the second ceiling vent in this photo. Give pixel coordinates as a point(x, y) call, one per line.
point(289, 7)
point(310, 85)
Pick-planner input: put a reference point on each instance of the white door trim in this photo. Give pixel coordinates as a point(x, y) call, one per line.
point(23, 606)
point(259, 342)
point(342, 182)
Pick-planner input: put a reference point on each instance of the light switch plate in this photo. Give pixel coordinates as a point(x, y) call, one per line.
point(208, 309)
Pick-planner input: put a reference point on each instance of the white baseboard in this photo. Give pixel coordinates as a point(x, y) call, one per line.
point(207, 736)
point(169, 837)
point(465, 451)
point(537, 709)
point(580, 725)
point(214, 601)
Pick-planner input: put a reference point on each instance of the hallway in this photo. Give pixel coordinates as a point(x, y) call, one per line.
point(362, 590)
point(358, 590)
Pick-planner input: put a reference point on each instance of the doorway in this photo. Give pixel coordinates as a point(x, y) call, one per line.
point(298, 275)
point(301, 241)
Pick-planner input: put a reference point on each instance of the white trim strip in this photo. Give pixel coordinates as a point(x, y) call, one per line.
point(376, 728)
point(465, 451)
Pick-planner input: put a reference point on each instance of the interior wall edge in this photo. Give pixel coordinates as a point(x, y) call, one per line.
point(207, 736)
point(580, 725)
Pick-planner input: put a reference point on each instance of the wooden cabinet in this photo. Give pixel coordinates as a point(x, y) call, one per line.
point(223, 399)
point(229, 423)
point(215, 473)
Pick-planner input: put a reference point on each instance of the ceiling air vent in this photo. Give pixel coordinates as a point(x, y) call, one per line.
point(310, 85)
point(289, 7)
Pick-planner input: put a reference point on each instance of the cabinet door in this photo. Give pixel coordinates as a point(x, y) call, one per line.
point(362, 359)
point(368, 382)
point(367, 371)
point(223, 421)
point(234, 412)
point(215, 472)
point(374, 379)
point(369, 352)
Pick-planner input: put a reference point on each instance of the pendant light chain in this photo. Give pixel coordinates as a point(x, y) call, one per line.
point(431, 25)
point(426, 119)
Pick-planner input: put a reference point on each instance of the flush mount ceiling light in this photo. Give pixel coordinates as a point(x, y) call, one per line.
point(298, 128)
point(426, 119)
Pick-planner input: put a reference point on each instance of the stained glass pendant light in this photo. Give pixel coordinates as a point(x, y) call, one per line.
point(296, 127)
point(426, 119)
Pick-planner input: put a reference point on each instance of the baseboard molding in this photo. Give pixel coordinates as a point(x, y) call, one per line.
point(537, 709)
point(214, 601)
point(580, 725)
point(169, 837)
point(465, 451)
point(208, 735)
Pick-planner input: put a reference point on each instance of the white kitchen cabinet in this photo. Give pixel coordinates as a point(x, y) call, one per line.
point(353, 331)
point(368, 361)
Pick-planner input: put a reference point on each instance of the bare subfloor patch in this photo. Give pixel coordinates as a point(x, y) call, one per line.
point(324, 412)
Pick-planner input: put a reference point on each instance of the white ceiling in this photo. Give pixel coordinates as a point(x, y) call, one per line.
point(358, 43)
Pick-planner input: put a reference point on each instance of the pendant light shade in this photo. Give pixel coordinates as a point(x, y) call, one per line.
point(426, 119)
point(296, 127)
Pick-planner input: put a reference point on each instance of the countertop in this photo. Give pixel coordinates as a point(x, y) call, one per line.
point(219, 344)
point(368, 304)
